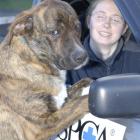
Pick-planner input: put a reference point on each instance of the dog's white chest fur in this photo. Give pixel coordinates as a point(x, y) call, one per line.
point(60, 98)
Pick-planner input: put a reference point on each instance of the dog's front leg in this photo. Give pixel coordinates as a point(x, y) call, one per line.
point(63, 118)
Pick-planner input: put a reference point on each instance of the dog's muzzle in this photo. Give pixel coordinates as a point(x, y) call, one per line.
point(81, 58)
point(74, 60)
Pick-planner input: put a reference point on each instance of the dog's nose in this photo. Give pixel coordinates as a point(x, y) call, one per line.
point(79, 56)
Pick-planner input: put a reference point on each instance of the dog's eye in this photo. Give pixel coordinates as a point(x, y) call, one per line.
point(54, 33)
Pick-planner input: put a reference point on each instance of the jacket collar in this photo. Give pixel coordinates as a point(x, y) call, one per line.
point(110, 60)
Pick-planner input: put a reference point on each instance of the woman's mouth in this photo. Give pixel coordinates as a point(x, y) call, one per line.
point(104, 34)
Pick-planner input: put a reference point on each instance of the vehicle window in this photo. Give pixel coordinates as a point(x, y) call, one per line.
point(8, 10)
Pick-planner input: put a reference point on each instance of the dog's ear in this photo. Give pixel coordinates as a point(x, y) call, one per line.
point(23, 24)
point(24, 27)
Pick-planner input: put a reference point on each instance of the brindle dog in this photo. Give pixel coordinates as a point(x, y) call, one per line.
point(32, 78)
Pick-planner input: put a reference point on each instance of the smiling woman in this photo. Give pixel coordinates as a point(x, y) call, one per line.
point(108, 49)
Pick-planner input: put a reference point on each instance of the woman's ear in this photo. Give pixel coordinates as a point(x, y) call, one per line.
point(125, 29)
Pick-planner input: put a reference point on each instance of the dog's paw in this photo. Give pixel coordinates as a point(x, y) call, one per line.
point(79, 88)
point(85, 91)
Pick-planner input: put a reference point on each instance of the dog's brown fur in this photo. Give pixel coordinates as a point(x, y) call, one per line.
point(30, 75)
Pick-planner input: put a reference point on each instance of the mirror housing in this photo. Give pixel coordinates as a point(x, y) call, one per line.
point(116, 96)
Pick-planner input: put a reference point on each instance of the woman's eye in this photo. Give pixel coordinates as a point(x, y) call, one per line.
point(116, 20)
point(100, 17)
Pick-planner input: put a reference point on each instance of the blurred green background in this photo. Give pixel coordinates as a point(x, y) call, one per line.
point(15, 4)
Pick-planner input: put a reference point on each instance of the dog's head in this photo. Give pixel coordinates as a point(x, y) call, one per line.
point(53, 31)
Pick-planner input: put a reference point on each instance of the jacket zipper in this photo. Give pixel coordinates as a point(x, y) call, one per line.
point(108, 70)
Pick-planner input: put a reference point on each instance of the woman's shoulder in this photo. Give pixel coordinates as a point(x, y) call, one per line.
point(131, 46)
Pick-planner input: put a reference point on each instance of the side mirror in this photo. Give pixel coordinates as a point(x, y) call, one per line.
point(115, 96)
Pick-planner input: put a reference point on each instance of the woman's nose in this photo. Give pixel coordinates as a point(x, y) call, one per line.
point(107, 23)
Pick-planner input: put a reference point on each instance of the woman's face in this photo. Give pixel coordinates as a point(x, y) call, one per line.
point(106, 23)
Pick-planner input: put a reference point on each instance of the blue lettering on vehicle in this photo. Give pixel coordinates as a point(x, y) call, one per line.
point(88, 135)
